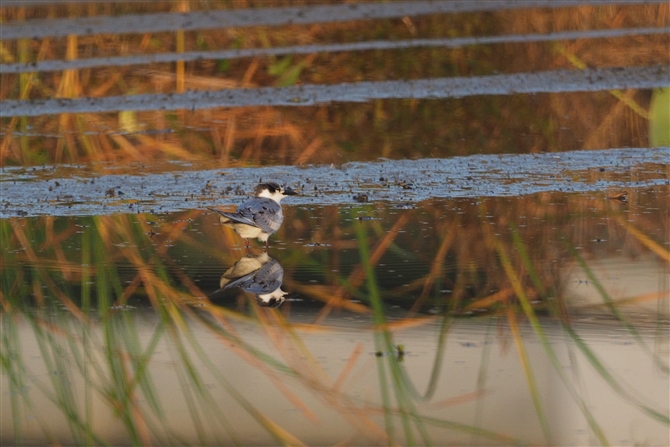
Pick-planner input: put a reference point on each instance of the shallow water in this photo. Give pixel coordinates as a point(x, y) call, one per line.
point(334, 393)
point(478, 255)
point(436, 285)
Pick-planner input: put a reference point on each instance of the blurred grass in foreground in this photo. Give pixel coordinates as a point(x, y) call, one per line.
point(77, 284)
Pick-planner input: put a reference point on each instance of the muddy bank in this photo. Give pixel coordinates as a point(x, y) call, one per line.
point(556, 81)
point(198, 20)
point(456, 42)
point(72, 192)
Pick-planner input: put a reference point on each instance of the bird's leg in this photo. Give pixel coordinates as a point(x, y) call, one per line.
point(246, 245)
point(266, 246)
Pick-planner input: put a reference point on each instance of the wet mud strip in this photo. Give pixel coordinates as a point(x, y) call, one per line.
point(160, 22)
point(456, 42)
point(46, 191)
point(556, 81)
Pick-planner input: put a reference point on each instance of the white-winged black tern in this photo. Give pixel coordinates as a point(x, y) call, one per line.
point(259, 217)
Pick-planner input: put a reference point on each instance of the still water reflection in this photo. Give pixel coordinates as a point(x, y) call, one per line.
point(259, 275)
point(539, 319)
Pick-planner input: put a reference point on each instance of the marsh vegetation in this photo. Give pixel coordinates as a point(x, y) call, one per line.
point(475, 268)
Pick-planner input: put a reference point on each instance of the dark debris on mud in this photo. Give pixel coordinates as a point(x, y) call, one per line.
point(73, 192)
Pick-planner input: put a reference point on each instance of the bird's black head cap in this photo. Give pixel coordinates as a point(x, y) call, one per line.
point(270, 186)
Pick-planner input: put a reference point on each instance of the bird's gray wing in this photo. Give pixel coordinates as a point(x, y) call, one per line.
point(246, 265)
point(265, 213)
point(235, 217)
point(242, 282)
point(268, 278)
point(265, 280)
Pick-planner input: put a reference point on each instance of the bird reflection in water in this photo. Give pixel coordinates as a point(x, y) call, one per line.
point(257, 274)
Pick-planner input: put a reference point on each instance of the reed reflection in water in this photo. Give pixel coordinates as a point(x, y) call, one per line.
point(446, 322)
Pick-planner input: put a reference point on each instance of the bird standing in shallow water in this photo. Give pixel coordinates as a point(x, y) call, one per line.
point(259, 217)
